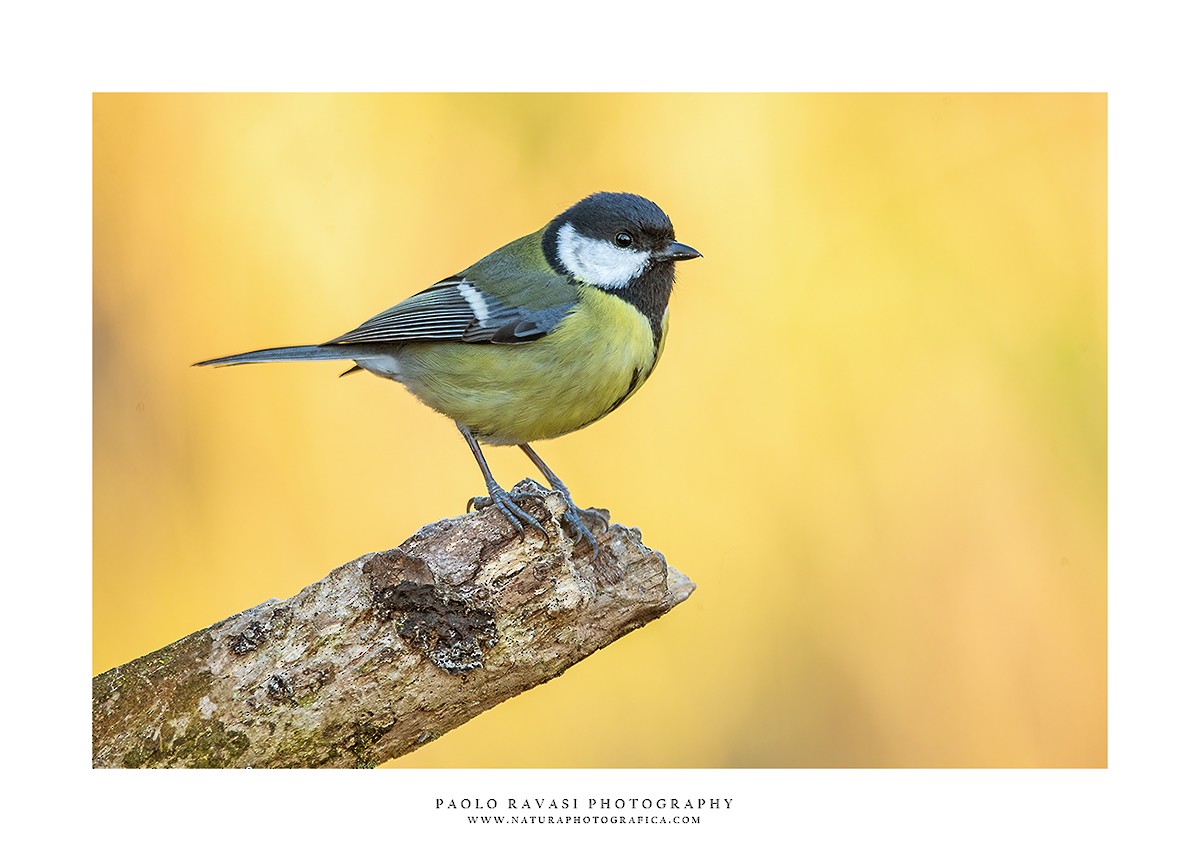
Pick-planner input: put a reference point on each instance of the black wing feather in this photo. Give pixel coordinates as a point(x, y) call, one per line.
point(444, 313)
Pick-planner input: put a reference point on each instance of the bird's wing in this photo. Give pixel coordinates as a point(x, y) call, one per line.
point(511, 296)
point(457, 310)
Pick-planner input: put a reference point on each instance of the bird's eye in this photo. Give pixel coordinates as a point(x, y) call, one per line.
point(623, 239)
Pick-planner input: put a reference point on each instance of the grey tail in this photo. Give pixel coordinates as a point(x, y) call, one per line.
point(312, 353)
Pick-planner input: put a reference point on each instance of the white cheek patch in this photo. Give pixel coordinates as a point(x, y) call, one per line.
point(595, 261)
point(475, 299)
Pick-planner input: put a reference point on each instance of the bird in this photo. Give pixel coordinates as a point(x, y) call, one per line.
point(540, 338)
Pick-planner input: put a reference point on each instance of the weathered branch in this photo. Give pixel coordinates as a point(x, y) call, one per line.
point(386, 652)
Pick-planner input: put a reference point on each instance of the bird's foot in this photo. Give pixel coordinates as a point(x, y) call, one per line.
point(506, 503)
point(577, 529)
point(573, 517)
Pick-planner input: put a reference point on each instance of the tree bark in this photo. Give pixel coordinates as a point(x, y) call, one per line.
point(386, 652)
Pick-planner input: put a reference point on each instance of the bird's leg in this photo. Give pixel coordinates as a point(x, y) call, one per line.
point(502, 499)
point(573, 516)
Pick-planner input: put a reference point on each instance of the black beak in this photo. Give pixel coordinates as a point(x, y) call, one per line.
point(678, 251)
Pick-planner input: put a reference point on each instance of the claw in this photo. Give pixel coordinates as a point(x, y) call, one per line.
point(573, 516)
point(506, 503)
point(573, 519)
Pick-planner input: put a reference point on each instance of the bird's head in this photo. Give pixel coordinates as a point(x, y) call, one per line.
point(613, 241)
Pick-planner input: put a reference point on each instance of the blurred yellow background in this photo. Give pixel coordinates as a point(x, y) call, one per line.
point(876, 440)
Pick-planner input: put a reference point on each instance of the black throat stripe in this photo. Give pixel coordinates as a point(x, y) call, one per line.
point(650, 293)
point(633, 384)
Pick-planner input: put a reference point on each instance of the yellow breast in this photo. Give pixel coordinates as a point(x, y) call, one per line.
point(598, 356)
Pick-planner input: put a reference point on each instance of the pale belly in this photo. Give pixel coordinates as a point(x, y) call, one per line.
point(510, 394)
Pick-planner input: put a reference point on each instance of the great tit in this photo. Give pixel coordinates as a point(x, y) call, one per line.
point(539, 338)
